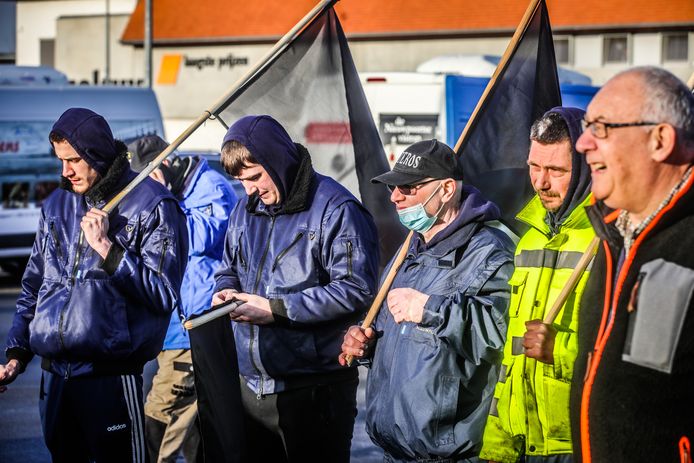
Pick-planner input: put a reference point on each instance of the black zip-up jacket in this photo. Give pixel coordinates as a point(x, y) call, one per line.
point(633, 384)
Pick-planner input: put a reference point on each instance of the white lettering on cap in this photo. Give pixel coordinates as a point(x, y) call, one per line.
point(409, 160)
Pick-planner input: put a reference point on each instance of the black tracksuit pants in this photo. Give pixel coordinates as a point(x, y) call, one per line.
point(93, 418)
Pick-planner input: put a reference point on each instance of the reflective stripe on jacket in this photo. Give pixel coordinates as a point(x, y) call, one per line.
point(530, 411)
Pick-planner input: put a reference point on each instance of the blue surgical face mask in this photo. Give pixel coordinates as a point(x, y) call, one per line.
point(416, 218)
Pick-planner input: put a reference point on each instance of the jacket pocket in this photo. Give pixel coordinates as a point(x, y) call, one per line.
point(517, 284)
point(241, 258)
point(418, 333)
point(286, 250)
point(511, 422)
point(57, 245)
point(447, 407)
point(556, 404)
point(658, 305)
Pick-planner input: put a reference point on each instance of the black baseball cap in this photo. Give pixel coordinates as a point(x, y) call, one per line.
point(424, 160)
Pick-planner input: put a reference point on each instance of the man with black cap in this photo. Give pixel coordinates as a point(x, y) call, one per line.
point(206, 198)
point(97, 295)
point(529, 416)
point(436, 344)
point(302, 254)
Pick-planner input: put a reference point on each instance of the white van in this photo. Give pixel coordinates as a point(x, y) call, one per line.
point(29, 172)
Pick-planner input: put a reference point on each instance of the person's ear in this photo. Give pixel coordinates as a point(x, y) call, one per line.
point(448, 188)
point(662, 141)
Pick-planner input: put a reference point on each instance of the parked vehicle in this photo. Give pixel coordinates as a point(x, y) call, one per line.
point(29, 171)
point(438, 99)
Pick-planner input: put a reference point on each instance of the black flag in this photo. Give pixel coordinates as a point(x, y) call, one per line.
point(312, 88)
point(217, 385)
point(494, 148)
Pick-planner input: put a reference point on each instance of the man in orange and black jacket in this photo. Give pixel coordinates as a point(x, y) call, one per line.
point(633, 384)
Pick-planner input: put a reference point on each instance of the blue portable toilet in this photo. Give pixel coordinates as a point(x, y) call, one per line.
point(462, 94)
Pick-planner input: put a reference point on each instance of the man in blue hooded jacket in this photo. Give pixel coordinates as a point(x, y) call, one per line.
point(436, 344)
point(206, 198)
point(97, 295)
point(301, 253)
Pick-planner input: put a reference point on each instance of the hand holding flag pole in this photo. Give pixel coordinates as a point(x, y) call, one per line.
point(484, 101)
point(383, 290)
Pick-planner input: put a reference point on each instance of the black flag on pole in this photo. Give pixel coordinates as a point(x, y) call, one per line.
point(494, 148)
point(312, 88)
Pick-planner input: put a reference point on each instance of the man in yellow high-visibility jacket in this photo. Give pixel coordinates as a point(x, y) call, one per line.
point(529, 417)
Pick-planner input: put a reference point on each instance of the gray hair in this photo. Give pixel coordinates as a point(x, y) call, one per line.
point(550, 129)
point(667, 99)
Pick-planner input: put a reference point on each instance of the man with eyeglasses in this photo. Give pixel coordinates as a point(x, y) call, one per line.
point(436, 344)
point(529, 415)
point(633, 388)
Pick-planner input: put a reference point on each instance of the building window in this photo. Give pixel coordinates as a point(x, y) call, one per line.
point(615, 49)
point(47, 51)
point(675, 47)
point(562, 50)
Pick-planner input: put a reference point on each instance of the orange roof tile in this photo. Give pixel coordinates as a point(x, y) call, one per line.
point(241, 20)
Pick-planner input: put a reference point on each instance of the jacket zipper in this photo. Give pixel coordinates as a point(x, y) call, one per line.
point(241, 259)
point(73, 273)
point(164, 246)
point(260, 394)
point(54, 233)
point(286, 250)
point(349, 259)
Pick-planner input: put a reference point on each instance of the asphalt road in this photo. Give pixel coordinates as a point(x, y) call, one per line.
point(21, 440)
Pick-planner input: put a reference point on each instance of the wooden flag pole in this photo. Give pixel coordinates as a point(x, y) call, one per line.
point(287, 39)
point(572, 282)
point(500, 68)
point(383, 290)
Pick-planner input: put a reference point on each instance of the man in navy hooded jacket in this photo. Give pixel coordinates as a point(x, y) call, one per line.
point(97, 295)
point(436, 344)
point(302, 253)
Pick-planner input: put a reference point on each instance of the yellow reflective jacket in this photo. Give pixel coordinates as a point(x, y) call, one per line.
point(530, 410)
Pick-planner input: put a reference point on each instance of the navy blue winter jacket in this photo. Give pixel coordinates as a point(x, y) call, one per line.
point(85, 315)
point(431, 383)
point(316, 258)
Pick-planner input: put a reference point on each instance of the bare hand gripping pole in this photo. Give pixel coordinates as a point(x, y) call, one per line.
point(383, 290)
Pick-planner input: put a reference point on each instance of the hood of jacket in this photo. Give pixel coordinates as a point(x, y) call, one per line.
point(271, 146)
point(474, 209)
point(89, 134)
point(579, 186)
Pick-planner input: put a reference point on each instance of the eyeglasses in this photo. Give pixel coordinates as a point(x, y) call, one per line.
point(599, 128)
point(411, 189)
